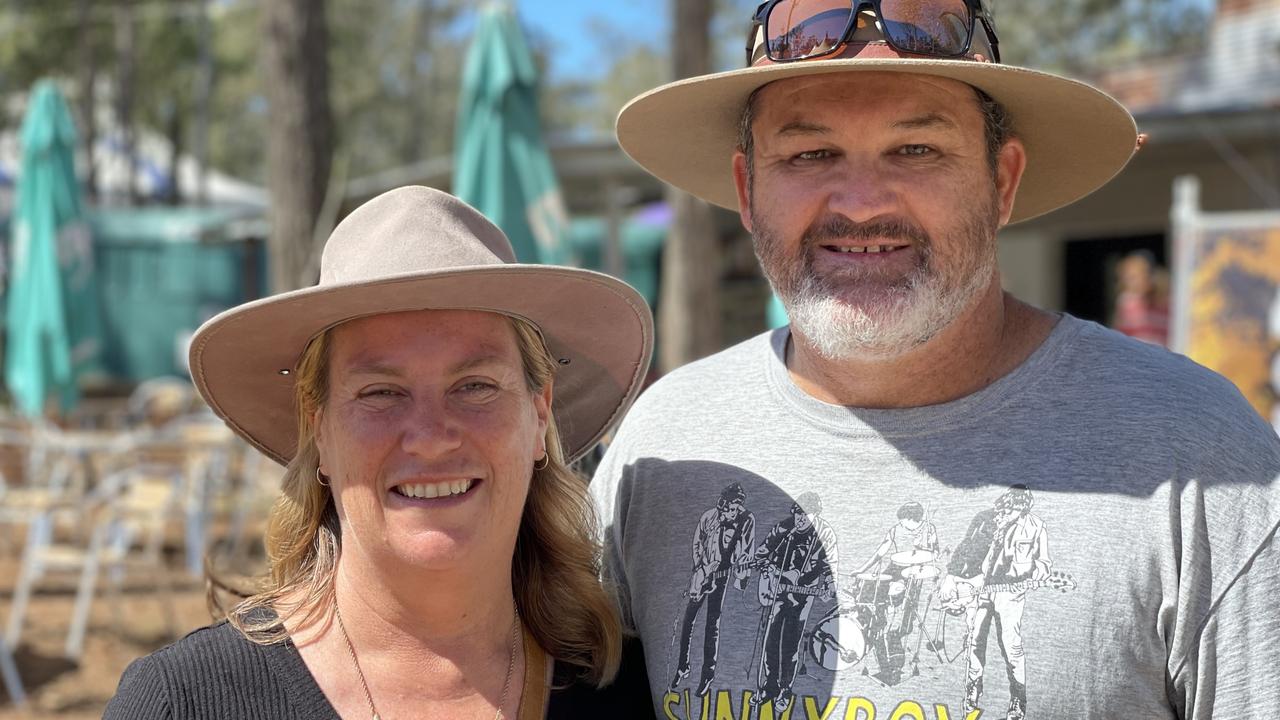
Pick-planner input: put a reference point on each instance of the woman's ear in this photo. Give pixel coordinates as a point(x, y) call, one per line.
point(542, 407)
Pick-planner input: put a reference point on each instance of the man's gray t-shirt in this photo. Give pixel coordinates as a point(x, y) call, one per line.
point(1091, 536)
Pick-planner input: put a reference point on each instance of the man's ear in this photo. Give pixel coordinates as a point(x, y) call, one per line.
point(1011, 163)
point(742, 181)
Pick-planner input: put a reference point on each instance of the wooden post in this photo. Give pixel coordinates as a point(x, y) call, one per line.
point(1184, 221)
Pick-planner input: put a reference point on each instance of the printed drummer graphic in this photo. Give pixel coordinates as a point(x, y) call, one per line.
point(888, 590)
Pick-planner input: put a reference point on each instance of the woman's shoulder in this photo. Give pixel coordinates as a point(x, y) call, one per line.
point(208, 672)
point(152, 684)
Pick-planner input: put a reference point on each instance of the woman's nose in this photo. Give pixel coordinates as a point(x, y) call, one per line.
point(430, 430)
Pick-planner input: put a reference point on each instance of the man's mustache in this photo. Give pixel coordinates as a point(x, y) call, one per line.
point(834, 228)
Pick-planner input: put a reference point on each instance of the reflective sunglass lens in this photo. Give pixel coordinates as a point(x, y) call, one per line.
point(798, 29)
point(928, 27)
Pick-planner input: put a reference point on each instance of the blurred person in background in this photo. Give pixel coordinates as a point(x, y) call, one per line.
point(431, 552)
point(874, 149)
point(1142, 301)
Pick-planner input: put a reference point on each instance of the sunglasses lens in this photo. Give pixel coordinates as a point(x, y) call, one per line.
point(797, 29)
point(929, 27)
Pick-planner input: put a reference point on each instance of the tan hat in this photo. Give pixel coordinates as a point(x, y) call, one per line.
point(415, 248)
point(1077, 137)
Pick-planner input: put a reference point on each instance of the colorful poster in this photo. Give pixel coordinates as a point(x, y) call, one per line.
point(1233, 310)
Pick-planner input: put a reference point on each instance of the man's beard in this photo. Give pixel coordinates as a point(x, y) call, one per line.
point(834, 312)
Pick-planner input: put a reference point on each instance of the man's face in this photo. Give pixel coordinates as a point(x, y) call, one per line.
point(874, 207)
point(731, 511)
point(803, 521)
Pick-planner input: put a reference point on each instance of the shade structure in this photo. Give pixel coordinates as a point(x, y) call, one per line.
point(52, 324)
point(502, 167)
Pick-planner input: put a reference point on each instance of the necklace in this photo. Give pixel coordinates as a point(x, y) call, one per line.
point(373, 710)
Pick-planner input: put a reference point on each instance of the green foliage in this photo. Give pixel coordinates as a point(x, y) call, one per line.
point(1084, 36)
point(396, 64)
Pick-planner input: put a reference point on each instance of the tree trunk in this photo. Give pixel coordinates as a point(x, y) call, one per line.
point(126, 57)
point(689, 307)
point(87, 78)
point(300, 134)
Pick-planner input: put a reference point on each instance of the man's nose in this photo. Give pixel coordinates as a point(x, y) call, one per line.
point(860, 193)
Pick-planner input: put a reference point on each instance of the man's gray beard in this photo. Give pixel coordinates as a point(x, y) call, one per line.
point(907, 317)
point(907, 314)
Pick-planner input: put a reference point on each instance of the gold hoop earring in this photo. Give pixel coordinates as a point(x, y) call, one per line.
point(543, 462)
point(320, 478)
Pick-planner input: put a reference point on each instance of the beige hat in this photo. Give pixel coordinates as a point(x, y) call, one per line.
point(1077, 137)
point(416, 248)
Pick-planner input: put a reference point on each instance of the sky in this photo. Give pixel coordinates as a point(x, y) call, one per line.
point(568, 22)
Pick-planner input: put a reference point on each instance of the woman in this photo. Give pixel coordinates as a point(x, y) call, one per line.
point(431, 554)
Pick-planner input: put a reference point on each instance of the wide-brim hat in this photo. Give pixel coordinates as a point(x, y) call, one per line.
point(415, 248)
point(1077, 137)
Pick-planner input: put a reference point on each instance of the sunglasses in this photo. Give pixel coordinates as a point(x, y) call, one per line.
point(806, 29)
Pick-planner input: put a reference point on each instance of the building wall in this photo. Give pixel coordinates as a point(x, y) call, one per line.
point(1137, 202)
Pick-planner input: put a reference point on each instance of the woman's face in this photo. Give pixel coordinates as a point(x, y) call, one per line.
point(429, 436)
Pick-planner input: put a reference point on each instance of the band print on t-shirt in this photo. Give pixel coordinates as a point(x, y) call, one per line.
point(915, 608)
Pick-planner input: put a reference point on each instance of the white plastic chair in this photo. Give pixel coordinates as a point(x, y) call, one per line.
point(9, 673)
point(133, 500)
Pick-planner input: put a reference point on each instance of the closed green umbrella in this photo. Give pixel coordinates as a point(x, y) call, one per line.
point(51, 314)
point(502, 167)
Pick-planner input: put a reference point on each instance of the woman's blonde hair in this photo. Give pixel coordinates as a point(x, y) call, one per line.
point(555, 568)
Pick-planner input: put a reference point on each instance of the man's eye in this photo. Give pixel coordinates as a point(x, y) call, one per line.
point(915, 150)
point(477, 386)
point(811, 155)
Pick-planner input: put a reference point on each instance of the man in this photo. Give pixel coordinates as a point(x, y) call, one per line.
point(723, 547)
point(911, 534)
point(798, 557)
point(873, 155)
point(1014, 550)
point(901, 558)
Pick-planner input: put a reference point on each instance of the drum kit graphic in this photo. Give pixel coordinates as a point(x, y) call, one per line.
point(876, 613)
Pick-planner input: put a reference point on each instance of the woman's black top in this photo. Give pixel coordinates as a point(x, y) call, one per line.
point(215, 673)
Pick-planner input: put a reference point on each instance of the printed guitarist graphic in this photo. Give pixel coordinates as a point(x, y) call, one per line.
point(773, 584)
point(702, 579)
point(969, 591)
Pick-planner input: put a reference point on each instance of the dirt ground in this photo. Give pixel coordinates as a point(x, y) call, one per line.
point(79, 689)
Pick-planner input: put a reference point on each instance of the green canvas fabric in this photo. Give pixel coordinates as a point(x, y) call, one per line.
point(502, 167)
point(53, 327)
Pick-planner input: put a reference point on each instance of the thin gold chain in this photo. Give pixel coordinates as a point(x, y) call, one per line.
point(373, 710)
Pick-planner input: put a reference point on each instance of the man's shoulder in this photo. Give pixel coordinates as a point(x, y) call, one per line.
point(709, 384)
point(1150, 376)
point(1145, 389)
point(740, 363)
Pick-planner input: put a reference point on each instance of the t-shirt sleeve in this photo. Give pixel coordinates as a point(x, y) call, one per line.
point(611, 479)
point(1225, 642)
point(1235, 669)
point(143, 693)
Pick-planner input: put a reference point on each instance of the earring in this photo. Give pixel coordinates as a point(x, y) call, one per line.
point(320, 478)
point(543, 462)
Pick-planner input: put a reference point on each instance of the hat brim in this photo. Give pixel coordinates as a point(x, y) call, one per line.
point(1077, 137)
point(598, 329)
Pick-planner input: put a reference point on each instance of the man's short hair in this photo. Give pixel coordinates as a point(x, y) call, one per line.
point(1017, 499)
point(809, 503)
point(732, 494)
point(998, 127)
point(911, 511)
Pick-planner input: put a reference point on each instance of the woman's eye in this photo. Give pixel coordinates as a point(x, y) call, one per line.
point(379, 392)
point(477, 386)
